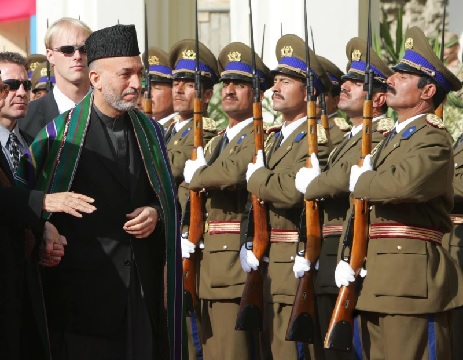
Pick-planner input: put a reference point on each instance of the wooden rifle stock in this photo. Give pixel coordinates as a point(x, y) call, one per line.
point(340, 330)
point(250, 314)
point(196, 229)
point(147, 104)
point(303, 314)
point(440, 111)
point(324, 117)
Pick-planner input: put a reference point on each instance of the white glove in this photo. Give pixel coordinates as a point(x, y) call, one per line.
point(254, 166)
point(248, 259)
point(306, 175)
point(356, 171)
point(192, 165)
point(187, 247)
point(301, 265)
point(343, 274)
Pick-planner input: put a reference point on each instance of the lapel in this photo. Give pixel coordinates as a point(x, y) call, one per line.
point(50, 107)
point(98, 144)
point(343, 148)
point(237, 140)
point(5, 167)
point(296, 136)
point(180, 136)
point(398, 140)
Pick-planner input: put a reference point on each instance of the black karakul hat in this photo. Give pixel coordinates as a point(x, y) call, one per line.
point(114, 41)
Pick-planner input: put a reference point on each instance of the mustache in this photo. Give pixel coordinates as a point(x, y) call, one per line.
point(344, 91)
point(391, 89)
point(278, 95)
point(130, 91)
point(230, 97)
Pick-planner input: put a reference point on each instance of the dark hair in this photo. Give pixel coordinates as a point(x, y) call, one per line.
point(440, 94)
point(335, 90)
point(8, 57)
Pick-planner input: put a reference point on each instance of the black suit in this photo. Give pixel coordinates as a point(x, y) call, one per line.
point(39, 113)
point(22, 320)
point(88, 292)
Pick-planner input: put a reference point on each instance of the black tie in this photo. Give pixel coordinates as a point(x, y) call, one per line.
point(13, 149)
point(222, 144)
point(171, 134)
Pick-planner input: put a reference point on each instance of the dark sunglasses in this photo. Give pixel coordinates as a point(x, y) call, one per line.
point(71, 49)
point(14, 84)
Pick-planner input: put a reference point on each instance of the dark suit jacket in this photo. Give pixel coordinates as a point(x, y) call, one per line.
point(22, 318)
point(39, 113)
point(88, 292)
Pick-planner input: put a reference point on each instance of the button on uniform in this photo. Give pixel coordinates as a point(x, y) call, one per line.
point(127, 262)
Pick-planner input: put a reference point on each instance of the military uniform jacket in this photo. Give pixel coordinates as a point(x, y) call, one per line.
point(411, 185)
point(332, 185)
point(339, 127)
point(221, 276)
point(454, 240)
point(179, 150)
point(274, 184)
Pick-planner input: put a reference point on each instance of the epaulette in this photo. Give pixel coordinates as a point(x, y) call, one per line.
point(321, 135)
point(272, 129)
point(209, 124)
point(342, 124)
point(435, 121)
point(385, 125)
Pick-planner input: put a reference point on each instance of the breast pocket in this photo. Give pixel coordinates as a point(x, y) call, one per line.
point(398, 267)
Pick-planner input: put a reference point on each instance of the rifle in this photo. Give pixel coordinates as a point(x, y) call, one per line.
point(440, 109)
point(147, 105)
point(48, 86)
point(196, 229)
point(340, 330)
point(250, 313)
point(301, 323)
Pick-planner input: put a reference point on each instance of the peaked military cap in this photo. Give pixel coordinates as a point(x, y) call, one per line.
point(235, 63)
point(32, 61)
point(159, 68)
point(334, 73)
point(291, 55)
point(39, 77)
point(420, 59)
point(182, 60)
point(115, 41)
point(356, 51)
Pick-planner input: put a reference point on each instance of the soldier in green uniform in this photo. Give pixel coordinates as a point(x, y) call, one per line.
point(161, 87)
point(339, 127)
point(222, 174)
point(286, 153)
point(453, 243)
point(179, 136)
point(411, 281)
point(332, 184)
point(39, 81)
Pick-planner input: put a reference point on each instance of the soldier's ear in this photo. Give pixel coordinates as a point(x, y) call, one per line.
point(379, 99)
point(207, 95)
point(428, 91)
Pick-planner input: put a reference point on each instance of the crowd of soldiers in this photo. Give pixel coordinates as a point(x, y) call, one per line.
point(410, 287)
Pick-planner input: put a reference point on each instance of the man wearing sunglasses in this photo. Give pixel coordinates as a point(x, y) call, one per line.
point(23, 331)
point(66, 53)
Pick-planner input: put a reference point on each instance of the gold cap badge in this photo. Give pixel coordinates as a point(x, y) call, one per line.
point(286, 51)
point(43, 72)
point(409, 43)
point(189, 55)
point(234, 56)
point(153, 60)
point(33, 66)
point(356, 55)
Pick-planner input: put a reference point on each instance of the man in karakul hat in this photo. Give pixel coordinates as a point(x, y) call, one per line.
point(109, 298)
point(411, 282)
point(285, 153)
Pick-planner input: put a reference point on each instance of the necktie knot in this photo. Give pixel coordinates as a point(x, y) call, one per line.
point(13, 149)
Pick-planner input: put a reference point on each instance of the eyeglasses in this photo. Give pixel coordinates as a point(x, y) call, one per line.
point(14, 84)
point(4, 90)
point(70, 49)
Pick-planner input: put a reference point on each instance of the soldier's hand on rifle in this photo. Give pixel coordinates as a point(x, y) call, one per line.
point(187, 246)
point(344, 274)
point(306, 175)
point(252, 167)
point(356, 171)
point(192, 165)
point(301, 265)
point(247, 258)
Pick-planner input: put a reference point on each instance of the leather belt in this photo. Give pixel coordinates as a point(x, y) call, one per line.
point(385, 230)
point(456, 218)
point(332, 230)
point(284, 236)
point(224, 227)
